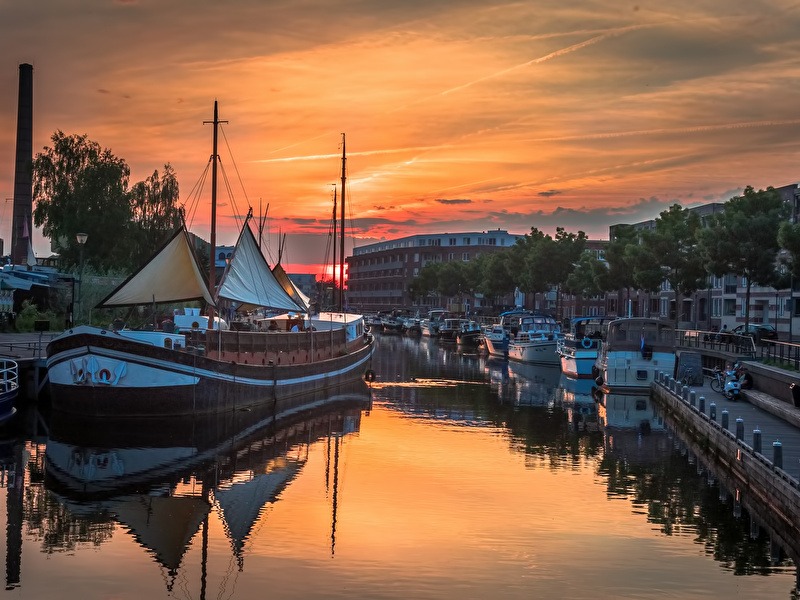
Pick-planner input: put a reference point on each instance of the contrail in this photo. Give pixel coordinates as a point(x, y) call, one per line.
point(363, 153)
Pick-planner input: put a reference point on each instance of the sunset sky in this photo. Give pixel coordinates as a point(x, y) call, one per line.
point(459, 116)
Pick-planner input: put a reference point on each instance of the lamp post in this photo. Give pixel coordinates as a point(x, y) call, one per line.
point(81, 239)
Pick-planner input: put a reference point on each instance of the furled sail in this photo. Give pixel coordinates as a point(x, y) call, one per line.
point(171, 275)
point(249, 281)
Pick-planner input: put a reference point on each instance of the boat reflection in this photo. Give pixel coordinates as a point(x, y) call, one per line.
point(577, 396)
point(633, 428)
point(535, 384)
point(160, 481)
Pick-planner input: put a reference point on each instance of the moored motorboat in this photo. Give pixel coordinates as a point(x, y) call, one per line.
point(497, 336)
point(9, 388)
point(536, 340)
point(579, 347)
point(635, 349)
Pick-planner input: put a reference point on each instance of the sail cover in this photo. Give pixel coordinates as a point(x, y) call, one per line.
point(299, 297)
point(172, 275)
point(249, 280)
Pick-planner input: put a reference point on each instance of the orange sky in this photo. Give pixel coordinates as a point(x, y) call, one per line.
point(460, 116)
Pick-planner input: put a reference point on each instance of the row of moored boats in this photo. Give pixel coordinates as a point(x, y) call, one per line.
point(619, 354)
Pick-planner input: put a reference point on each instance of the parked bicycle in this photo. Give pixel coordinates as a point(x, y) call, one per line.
point(726, 383)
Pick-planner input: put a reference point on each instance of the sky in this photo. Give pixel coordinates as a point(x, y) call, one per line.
point(459, 115)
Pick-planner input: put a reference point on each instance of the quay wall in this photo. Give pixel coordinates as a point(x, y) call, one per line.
point(753, 473)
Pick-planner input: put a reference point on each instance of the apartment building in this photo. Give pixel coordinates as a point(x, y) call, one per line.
point(379, 274)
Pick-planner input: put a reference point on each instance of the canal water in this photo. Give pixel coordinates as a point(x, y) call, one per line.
point(450, 476)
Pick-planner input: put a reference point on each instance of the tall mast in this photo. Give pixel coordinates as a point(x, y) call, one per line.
point(214, 160)
point(341, 247)
point(335, 245)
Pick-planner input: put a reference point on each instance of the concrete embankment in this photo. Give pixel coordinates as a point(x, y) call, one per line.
point(760, 462)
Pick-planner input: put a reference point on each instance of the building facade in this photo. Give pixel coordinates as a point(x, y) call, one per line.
point(379, 274)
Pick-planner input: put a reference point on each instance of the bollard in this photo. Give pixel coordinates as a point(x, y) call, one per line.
point(777, 454)
point(702, 407)
point(712, 411)
point(739, 428)
point(754, 528)
point(692, 398)
point(757, 440)
point(725, 419)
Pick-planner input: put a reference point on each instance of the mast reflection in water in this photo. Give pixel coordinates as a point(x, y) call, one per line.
point(450, 476)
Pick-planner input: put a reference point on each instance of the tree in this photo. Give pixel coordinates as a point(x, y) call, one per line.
point(155, 211)
point(669, 253)
point(620, 253)
point(80, 187)
point(743, 239)
point(589, 277)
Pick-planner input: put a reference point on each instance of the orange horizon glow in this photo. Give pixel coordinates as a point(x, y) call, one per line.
point(459, 117)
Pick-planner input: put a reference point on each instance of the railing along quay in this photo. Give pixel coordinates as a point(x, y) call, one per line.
point(766, 466)
point(28, 350)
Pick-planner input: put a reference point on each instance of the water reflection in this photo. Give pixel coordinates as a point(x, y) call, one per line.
point(553, 416)
point(161, 487)
point(471, 476)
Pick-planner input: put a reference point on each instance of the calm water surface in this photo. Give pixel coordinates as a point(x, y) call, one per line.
point(452, 477)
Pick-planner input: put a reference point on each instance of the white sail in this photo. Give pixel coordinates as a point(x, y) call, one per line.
point(249, 280)
point(297, 295)
point(172, 275)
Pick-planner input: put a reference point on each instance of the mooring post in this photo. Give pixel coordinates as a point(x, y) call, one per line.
point(702, 407)
point(725, 418)
point(757, 440)
point(692, 397)
point(777, 454)
point(739, 428)
point(712, 411)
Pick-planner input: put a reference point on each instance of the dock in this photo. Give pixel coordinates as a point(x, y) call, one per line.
point(753, 444)
point(28, 350)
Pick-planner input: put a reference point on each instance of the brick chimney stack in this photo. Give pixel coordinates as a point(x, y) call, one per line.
point(21, 226)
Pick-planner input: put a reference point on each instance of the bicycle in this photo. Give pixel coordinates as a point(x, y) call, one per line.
point(717, 380)
point(686, 376)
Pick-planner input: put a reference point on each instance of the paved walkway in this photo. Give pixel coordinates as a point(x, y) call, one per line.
point(777, 420)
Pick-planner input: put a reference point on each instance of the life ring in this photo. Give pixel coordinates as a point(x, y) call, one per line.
point(586, 343)
point(369, 376)
point(104, 375)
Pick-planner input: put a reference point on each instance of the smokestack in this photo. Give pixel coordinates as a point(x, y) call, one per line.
point(21, 226)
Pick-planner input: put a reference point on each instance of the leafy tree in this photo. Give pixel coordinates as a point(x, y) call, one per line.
point(589, 277)
point(496, 274)
point(743, 239)
point(565, 252)
point(620, 256)
point(670, 252)
point(789, 240)
point(80, 187)
point(155, 211)
point(427, 282)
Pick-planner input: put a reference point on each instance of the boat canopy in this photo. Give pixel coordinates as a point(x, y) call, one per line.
point(171, 275)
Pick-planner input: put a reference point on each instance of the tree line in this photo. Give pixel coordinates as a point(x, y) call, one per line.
point(79, 187)
point(751, 237)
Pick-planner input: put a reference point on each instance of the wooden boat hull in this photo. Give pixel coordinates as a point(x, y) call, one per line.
point(95, 372)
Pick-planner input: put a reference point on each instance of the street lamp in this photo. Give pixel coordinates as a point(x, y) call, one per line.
point(81, 239)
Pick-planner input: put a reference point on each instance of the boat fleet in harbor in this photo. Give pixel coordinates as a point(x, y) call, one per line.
point(616, 355)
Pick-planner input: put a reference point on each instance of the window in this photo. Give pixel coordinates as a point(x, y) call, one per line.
point(465, 257)
point(492, 241)
point(452, 241)
point(664, 307)
point(729, 307)
point(466, 241)
point(716, 307)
